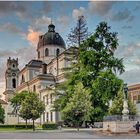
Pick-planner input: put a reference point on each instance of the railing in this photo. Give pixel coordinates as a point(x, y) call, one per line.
point(120, 118)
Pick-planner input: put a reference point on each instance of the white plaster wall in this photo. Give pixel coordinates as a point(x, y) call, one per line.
point(28, 74)
point(52, 68)
point(48, 107)
point(52, 52)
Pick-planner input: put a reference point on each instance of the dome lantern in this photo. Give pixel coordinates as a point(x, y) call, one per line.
point(51, 28)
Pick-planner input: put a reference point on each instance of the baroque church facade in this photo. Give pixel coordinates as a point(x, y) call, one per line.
point(37, 75)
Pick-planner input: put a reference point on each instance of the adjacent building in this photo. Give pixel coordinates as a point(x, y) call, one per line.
point(134, 95)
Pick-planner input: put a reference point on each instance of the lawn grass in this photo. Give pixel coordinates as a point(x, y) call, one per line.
point(13, 129)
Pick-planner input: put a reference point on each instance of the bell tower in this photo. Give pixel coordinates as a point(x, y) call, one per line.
point(11, 77)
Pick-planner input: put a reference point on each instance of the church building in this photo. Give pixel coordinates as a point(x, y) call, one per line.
point(37, 75)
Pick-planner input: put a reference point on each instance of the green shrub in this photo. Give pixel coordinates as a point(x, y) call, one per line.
point(49, 126)
point(7, 126)
point(17, 126)
point(23, 126)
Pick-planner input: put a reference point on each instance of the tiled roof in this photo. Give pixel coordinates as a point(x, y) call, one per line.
point(35, 63)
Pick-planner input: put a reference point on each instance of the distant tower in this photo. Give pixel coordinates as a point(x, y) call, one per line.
point(11, 77)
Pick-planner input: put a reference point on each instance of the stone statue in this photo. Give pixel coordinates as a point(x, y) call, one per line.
point(125, 89)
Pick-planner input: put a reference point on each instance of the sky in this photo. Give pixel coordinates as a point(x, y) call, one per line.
point(22, 22)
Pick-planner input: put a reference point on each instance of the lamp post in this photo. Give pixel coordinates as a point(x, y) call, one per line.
point(125, 111)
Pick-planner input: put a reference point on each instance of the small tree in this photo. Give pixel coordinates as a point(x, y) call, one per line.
point(79, 33)
point(79, 107)
point(32, 107)
point(2, 112)
point(117, 105)
point(17, 100)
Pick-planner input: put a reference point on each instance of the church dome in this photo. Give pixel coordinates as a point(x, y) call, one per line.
point(51, 38)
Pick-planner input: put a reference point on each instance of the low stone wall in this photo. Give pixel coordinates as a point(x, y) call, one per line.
point(119, 126)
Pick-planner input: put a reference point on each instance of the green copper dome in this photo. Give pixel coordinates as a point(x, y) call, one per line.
point(51, 38)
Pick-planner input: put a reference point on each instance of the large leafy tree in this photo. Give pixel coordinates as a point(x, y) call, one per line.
point(79, 33)
point(79, 106)
point(2, 114)
point(96, 69)
point(32, 107)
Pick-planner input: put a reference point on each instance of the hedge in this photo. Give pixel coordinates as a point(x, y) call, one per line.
point(17, 126)
point(49, 126)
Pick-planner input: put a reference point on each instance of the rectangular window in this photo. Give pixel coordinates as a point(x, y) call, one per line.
point(44, 100)
point(51, 97)
point(47, 100)
point(44, 117)
point(47, 116)
point(51, 116)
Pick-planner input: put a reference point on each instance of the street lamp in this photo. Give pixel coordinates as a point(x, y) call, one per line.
point(125, 111)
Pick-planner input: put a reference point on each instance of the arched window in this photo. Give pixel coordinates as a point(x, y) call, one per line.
point(46, 52)
point(57, 52)
point(13, 65)
point(22, 79)
point(38, 54)
point(14, 83)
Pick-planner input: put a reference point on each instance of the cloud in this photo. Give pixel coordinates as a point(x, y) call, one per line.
point(11, 28)
point(137, 61)
point(7, 6)
point(32, 36)
point(131, 76)
point(6, 53)
point(137, 6)
point(47, 7)
point(131, 18)
point(126, 27)
point(125, 51)
point(78, 12)
point(63, 20)
point(100, 8)
point(122, 15)
point(24, 10)
point(40, 23)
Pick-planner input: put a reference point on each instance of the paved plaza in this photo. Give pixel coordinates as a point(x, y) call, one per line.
point(84, 134)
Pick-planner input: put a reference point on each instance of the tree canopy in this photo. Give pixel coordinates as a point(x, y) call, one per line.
point(32, 107)
point(79, 106)
point(17, 100)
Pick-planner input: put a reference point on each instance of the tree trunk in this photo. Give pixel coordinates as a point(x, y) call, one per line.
point(78, 127)
point(33, 125)
point(26, 123)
